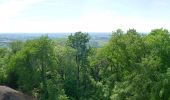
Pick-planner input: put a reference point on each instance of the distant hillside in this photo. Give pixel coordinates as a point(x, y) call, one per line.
point(97, 39)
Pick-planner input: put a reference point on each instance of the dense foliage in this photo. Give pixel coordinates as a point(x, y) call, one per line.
point(131, 66)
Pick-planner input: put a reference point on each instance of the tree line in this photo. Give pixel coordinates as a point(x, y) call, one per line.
point(131, 66)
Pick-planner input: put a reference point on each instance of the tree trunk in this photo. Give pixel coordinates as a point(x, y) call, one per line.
point(78, 78)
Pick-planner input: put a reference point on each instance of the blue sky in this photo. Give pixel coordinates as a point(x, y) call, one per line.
point(83, 15)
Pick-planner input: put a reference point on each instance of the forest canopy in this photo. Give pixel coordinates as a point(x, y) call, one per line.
point(131, 66)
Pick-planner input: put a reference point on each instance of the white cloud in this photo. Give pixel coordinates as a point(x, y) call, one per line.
point(89, 22)
point(107, 22)
point(10, 8)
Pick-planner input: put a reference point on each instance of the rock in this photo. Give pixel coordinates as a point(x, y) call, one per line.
point(7, 93)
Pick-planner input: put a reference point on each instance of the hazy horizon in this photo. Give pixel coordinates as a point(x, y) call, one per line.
point(56, 32)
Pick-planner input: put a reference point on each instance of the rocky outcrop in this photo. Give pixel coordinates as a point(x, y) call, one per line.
point(7, 93)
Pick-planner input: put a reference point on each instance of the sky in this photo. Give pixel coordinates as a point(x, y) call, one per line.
point(83, 15)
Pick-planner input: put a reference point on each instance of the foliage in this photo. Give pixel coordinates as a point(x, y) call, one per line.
point(131, 66)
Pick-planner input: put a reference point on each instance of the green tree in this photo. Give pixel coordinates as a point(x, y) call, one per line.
point(15, 46)
point(79, 42)
point(35, 69)
point(67, 69)
point(4, 54)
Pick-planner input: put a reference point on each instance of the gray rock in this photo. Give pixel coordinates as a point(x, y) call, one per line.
point(7, 93)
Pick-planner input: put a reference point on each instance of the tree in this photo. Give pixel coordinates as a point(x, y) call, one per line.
point(35, 68)
point(67, 69)
point(15, 46)
point(79, 42)
point(4, 54)
point(120, 64)
point(131, 66)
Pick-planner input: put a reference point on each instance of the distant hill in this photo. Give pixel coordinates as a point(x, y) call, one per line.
point(97, 39)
